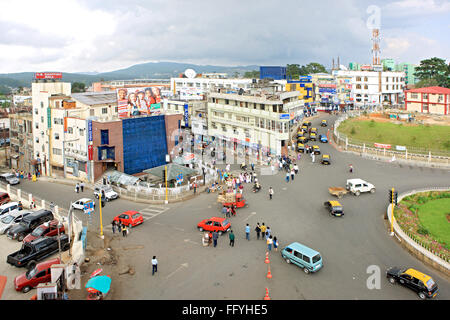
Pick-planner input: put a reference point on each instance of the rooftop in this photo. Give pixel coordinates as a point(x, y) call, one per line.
point(435, 90)
point(95, 98)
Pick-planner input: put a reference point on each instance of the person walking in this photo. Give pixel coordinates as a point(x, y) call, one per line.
point(296, 169)
point(195, 187)
point(228, 212)
point(247, 232)
point(77, 188)
point(268, 231)
point(215, 236)
point(113, 227)
point(258, 230)
point(224, 211)
point(263, 230)
point(231, 236)
point(292, 174)
point(269, 243)
point(275, 243)
point(233, 210)
point(313, 157)
point(270, 193)
point(124, 230)
point(351, 169)
point(154, 265)
point(287, 176)
point(82, 186)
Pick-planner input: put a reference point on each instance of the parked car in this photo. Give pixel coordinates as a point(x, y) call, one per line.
point(312, 137)
point(316, 150)
point(214, 224)
point(79, 204)
point(335, 208)
point(4, 198)
point(323, 138)
point(48, 229)
point(12, 218)
point(108, 191)
point(37, 250)
point(41, 273)
point(129, 218)
point(8, 207)
point(28, 224)
point(415, 280)
point(9, 178)
point(325, 159)
point(306, 258)
point(357, 186)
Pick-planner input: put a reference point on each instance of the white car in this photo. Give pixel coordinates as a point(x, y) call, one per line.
point(357, 186)
point(11, 218)
point(79, 204)
point(8, 207)
point(110, 194)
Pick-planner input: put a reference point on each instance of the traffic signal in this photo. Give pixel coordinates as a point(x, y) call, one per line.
point(395, 197)
point(164, 176)
point(391, 196)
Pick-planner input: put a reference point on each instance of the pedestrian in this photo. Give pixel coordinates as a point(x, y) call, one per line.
point(215, 236)
point(154, 265)
point(296, 169)
point(275, 243)
point(263, 230)
point(258, 230)
point(253, 166)
point(233, 210)
point(124, 231)
point(119, 227)
point(195, 187)
point(228, 212)
point(299, 156)
point(224, 211)
point(21, 205)
point(210, 238)
point(269, 243)
point(268, 231)
point(292, 174)
point(113, 227)
point(231, 236)
point(247, 232)
point(77, 187)
point(351, 169)
point(287, 176)
point(313, 157)
point(82, 186)
point(272, 167)
point(270, 193)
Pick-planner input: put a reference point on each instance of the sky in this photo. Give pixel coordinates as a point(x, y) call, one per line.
point(101, 36)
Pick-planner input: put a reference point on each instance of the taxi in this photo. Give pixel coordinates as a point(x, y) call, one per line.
point(300, 147)
point(312, 136)
point(314, 130)
point(415, 280)
point(335, 208)
point(316, 150)
point(324, 123)
point(129, 218)
point(214, 224)
point(325, 159)
point(302, 140)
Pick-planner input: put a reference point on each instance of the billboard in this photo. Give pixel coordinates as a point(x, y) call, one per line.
point(138, 101)
point(48, 75)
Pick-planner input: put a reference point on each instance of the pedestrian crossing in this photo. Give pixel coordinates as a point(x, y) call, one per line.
point(153, 211)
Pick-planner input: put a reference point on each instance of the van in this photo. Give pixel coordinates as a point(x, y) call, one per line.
point(357, 186)
point(9, 178)
point(4, 198)
point(306, 258)
point(28, 224)
point(7, 207)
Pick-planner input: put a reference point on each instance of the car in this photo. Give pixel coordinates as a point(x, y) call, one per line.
point(8, 207)
point(79, 204)
point(325, 159)
point(300, 147)
point(323, 138)
point(4, 198)
point(312, 137)
point(9, 178)
point(314, 130)
point(48, 229)
point(316, 150)
point(415, 280)
point(335, 208)
point(10, 219)
point(306, 258)
point(357, 186)
point(129, 218)
point(41, 273)
point(302, 140)
point(214, 224)
point(108, 191)
point(324, 123)
point(28, 224)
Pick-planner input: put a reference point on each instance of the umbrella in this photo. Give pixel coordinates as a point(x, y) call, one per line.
point(99, 283)
point(96, 273)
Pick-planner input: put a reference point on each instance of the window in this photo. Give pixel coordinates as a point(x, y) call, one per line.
point(227, 101)
point(306, 259)
point(92, 112)
point(298, 255)
point(42, 119)
point(358, 86)
point(56, 151)
point(366, 79)
point(104, 110)
point(42, 104)
point(414, 96)
point(425, 95)
point(289, 250)
point(104, 134)
point(70, 130)
point(116, 109)
point(36, 111)
point(81, 131)
point(56, 136)
point(358, 78)
point(425, 107)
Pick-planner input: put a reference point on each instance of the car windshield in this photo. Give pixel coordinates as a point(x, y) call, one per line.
point(430, 284)
point(225, 222)
point(337, 208)
point(316, 258)
point(7, 219)
point(31, 273)
point(107, 189)
point(9, 176)
point(37, 232)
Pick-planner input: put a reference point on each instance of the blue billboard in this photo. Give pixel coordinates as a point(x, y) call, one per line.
point(273, 72)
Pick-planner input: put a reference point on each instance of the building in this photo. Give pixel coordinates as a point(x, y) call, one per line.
point(135, 83)
point(188, 108)
point(258, 120)
point(21, 141)
point(410, 72)
point(272, 72)
point(374, 88)
point(433, 100)
point(389, 65)
point(353, 66)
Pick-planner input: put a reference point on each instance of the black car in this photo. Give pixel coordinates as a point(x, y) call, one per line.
point(29, 223)
point(415, 280)
point(335, 208)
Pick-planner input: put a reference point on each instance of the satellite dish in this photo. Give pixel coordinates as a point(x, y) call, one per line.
point(342, 67)
point(190, 73)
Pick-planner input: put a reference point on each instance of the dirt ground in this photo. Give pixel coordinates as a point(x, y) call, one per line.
point(420, 119)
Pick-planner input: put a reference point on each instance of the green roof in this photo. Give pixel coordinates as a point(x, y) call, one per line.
point(173, 170)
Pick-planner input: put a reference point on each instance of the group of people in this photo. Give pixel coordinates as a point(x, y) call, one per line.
point(264, 232)
point(120, 227)
point(79, 186)
point(21, 174)
point(139, 102)
point(229, 211)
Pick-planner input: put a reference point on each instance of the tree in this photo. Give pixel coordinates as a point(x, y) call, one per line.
point(434, 68)
point(293, 71)
point(426, 83)
point(315, 67)
point(78, 87)
point(251, 74)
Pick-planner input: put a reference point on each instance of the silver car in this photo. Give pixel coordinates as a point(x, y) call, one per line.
point(11, 218)
point(9, 178)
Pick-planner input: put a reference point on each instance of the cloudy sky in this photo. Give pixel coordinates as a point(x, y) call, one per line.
point(98, 35)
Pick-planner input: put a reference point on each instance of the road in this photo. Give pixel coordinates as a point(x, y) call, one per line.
point(349, 245)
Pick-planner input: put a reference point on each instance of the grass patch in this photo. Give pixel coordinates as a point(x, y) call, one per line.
point(433, 217)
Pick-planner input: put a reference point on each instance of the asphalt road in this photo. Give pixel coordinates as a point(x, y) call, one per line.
point(349, 245)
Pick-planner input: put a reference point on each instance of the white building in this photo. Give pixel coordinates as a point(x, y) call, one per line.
point(371, 87)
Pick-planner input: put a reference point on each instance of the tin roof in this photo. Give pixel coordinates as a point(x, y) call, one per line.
point(435, 90)
point(96, 98)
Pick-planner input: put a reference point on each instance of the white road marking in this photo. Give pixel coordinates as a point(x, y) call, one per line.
point(250, 215)
point(184, 265)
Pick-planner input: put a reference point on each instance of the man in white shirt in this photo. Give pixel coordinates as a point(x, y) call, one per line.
point(154, 265)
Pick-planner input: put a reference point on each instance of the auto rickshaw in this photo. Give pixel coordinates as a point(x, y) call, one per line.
point(314, 130)
point(325, 159)
point(305, 128)
point(312, 136)
point(316, 150)
point(324, 123)
point(301, 147)
point(302, 140)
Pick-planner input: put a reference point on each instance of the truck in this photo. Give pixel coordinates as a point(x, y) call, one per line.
point(357, 186)
point(37, 250)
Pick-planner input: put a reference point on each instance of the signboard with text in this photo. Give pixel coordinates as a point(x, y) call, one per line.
point(48, 75)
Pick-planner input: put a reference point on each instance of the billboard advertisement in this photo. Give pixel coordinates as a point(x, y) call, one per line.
point(48, 75)
point(138, 101)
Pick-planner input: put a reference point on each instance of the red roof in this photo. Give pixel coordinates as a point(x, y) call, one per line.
point(435, 90)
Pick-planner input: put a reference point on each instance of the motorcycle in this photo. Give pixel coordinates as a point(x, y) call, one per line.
point(256, 188)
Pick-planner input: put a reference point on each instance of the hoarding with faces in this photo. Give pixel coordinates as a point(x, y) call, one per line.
point(138, 101)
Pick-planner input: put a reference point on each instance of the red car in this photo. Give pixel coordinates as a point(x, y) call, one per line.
point(48, 229)
point(129, 218)
point(41, 273)
point(214, 224)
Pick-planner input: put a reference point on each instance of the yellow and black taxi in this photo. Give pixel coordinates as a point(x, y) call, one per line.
point(304, 128)
point(312, 136)
point(415, 280)
point(325, 159)
point(316, 150)
point(314, 130)
point(324, 123)
point(302, 140)
point(300, 147)
point(335, 208)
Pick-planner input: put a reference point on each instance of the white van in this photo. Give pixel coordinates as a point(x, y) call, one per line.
point(7, 207)
point(110, 194)
point(357, 186)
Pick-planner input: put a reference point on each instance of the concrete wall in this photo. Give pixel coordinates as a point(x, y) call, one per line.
point(171, 122)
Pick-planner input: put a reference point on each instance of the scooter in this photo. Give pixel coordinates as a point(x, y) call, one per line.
point(256, 189)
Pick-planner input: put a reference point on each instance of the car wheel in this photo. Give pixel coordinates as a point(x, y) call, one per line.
point(306, 270)
point(26, 289)
point(20, 237)
point(66, 247)
point(96, 196)
point(422, 295)
point(372, 190)
point(200, 229)
point(357, 193)
point(391, 280)
point(220, 233)
point(288, 261)
point(130, 225)
point(31, 264)
point(107, 199)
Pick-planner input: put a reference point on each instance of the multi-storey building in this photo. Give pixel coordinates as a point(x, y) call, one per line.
point(21, 141)
point(435, 100)
point(258, 119)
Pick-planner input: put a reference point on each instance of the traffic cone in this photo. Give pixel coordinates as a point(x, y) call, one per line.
point(267, 258)
point(269, 274)
point(266, 297)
